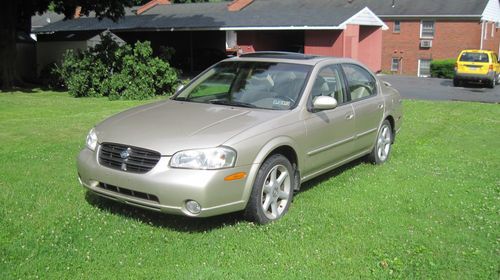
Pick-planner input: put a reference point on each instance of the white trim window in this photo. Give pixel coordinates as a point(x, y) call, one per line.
point(424, 67)
point(397, 27)
point(231, 39)
point(427, 29)
point(395, 64)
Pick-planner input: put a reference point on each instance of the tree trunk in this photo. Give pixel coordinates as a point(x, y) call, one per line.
point(8, 50)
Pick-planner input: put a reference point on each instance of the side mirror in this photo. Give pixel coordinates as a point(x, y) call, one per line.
point(324, 103)
point(179, 88)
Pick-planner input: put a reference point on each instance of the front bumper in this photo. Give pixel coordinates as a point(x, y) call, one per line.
point(166, 189)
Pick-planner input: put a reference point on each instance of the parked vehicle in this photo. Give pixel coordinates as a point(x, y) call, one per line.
point(243, 135)
point(477, 66)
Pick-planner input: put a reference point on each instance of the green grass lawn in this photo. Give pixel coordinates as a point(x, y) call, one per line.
point(432, 212)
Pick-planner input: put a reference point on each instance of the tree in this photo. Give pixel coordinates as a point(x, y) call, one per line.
point(15, 16)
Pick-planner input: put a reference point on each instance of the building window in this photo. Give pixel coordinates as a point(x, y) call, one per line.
point(395, 64)
point(397, 26)
point(426, 29)
point(231, 39)
point(424, 67)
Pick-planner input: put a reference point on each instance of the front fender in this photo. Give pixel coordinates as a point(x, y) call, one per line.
point(265, 151)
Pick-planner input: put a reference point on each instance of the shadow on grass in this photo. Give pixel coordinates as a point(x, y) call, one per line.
point(32, 88)
point(327, 176)
point(157, 219)
point(193, 225)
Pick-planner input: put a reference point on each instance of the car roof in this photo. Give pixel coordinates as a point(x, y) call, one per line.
point(478, 51)
point(289, 57)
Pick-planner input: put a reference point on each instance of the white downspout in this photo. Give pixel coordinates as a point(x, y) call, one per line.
point(482, 35)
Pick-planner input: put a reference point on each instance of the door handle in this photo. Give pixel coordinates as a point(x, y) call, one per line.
point(349, 116)
point(381, 106)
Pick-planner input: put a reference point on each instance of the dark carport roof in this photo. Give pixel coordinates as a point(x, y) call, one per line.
point(260, 14)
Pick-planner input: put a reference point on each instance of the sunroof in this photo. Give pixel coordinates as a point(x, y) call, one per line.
point(284, 55)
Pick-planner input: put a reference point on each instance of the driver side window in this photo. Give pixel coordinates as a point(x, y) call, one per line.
point(328, 83)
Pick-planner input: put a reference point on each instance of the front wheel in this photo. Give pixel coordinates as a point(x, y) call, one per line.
point(272, 191)
point(382, 148)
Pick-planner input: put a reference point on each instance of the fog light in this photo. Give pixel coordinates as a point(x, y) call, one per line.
point(193, 207)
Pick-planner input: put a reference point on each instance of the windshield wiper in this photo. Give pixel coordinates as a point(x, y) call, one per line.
point(232, 103)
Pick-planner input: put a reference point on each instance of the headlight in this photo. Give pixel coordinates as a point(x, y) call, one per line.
point(214, 158)
point(92, 140)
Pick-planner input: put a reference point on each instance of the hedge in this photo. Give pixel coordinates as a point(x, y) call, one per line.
point(118, 72)
point(443, 68)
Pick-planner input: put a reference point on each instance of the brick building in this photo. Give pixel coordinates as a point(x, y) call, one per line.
point(425, 30)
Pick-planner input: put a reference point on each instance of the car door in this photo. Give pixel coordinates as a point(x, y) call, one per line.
point(496, 63)
point(368, 105)
point(329, 132)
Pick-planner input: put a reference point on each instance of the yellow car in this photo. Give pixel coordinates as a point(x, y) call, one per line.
point(477, 66)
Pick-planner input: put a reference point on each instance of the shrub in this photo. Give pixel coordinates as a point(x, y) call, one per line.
point(139, 75)
point(443, 68)
point(119, 72)
point(83, 74)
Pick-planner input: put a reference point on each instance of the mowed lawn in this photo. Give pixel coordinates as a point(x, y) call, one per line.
point(432, 212)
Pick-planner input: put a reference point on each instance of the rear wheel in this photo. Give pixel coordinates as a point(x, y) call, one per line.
point(272, 191)
point(382, 148)
point(456, 82)
point(492, 83)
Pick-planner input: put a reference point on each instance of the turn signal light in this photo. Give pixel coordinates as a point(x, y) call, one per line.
point(236, 176)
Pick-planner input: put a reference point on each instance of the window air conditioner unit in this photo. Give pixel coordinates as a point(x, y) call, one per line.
point(425, 43)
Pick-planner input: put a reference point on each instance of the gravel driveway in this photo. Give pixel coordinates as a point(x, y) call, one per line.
point(441, 89)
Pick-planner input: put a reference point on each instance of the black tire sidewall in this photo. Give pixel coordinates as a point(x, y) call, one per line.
point(253, 211)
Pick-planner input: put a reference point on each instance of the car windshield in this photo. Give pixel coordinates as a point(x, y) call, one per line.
point(264, 85)
point(474, 57)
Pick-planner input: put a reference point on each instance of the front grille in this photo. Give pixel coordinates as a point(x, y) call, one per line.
point(127, 158)
point(128, 192)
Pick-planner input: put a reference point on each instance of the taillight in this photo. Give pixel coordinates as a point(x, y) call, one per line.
point(491, 67)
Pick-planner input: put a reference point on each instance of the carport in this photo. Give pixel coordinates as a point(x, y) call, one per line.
point(201, 33)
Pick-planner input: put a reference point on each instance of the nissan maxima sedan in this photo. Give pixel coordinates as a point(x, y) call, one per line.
point(243, 136)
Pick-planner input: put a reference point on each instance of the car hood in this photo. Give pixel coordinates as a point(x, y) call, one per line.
point(171, 126)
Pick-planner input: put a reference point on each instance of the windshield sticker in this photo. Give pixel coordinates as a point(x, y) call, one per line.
point(281, 102)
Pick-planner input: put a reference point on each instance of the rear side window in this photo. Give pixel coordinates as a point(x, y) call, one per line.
point(474, 57)
point(360, 82)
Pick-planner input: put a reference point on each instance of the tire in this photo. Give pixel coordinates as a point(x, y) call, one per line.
point(271, 196)
point(492, 83)
point(383, 144)
point(456, 82)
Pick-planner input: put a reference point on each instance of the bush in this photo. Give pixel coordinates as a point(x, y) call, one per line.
point(139, 75)
point(119, 72)
point(443, 68)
